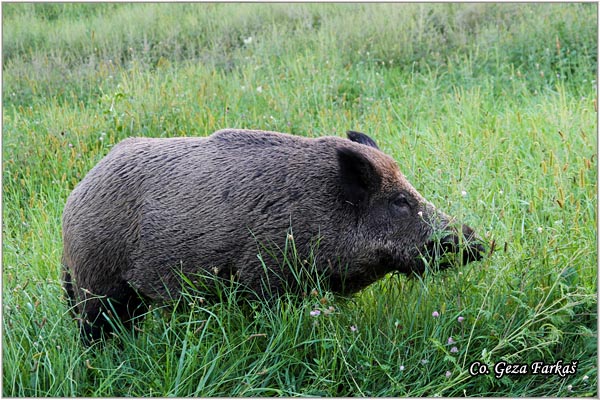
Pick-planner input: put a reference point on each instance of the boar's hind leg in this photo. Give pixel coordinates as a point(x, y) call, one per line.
point(68, 285)
point(122, 304)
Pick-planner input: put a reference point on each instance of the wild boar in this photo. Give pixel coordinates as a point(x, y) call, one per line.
point(155, 210)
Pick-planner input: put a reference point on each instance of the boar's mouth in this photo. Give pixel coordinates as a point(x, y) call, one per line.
point(451, 249)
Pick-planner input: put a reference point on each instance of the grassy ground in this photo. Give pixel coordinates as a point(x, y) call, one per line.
point(490, 111)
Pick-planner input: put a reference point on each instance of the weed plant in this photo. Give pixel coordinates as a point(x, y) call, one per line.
point(490, 111)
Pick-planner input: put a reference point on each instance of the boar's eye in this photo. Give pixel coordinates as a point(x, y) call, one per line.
point(400, 204)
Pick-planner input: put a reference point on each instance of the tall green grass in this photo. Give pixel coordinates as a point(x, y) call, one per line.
point(489, 109)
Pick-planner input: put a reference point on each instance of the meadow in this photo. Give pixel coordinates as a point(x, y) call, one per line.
point(490, 111)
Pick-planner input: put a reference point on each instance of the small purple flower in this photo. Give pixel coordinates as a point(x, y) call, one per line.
point(402, 368)
point(353, 328)
point(454, 349)
point(328, 310)
point(450, 340)
point(435, 314)
point(448, 374)
point(315, 313)
point(424, 361)
point(461, 319)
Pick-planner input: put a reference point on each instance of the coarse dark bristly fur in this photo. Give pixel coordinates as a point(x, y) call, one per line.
point(154, 210)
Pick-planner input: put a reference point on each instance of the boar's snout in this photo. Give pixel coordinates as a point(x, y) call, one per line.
point(453, 247)
point(472, 247)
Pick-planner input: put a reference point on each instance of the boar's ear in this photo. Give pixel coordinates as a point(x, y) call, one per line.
point(358, 176)
point(361, 138)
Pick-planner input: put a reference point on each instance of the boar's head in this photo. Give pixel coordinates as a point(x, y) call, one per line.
point(397, 227)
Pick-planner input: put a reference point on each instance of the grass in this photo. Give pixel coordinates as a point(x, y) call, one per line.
point(489, 109)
